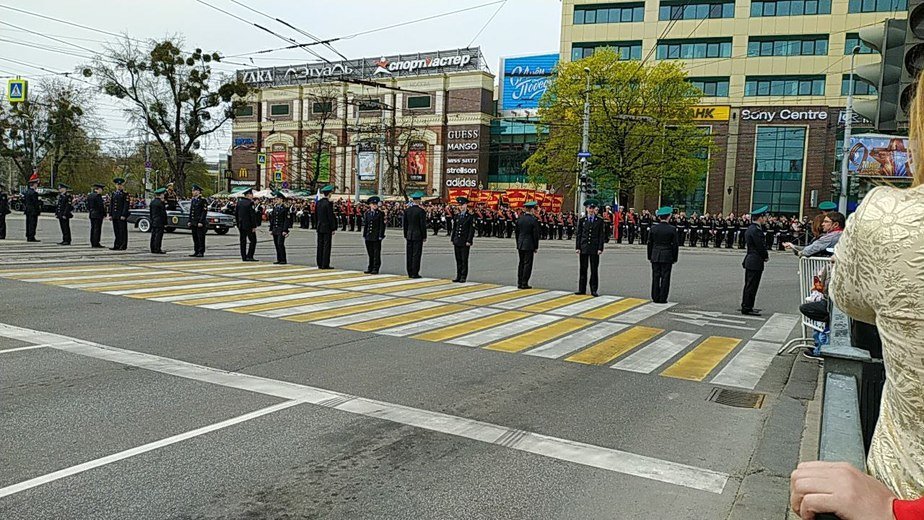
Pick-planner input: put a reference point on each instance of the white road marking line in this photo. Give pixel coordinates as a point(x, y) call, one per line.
point(583, 306)
point(777, 328)
point(94, 276)
point(374, 315)
point(92, 285)
point(125, 292)
point(73, 270)
point(268, 299)
point(505, 331)
point(43, 345)
point(581, 453)
point(748, 365)
point(530, 300)
point(115, 457)
point(478, 294)
point(578, 340)
point(645, 360)
point(440, 321)
point(308, 276)
point(396, 283)
point(642, 313)
point(432, 289)
point(341, 280)
point(229, 292)
point(243, 268)
point(303, 309)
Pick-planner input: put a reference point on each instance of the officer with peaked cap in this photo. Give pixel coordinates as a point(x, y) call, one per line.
point(415, 233)
point(198, 221)
point(280, 222)
point(32, 207)
point(64, 212)
point(157, 212)
point(118, 213)
point(754, 260)
point(527, 236)
point(373, 234)
point(463, 234)
point(247, 220)
point(663, 250)
point(326, 227)
point(591, 234)
point(4, 211)
point(96, 210)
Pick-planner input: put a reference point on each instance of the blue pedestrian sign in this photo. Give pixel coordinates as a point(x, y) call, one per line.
point(16, 90)
point(261, 158)
point(584, 155)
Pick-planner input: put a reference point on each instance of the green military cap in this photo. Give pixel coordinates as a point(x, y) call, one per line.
point(160, 191)
point(417, 195)
point(62, 185)
point(759, 211)
point(328, 189)
point(118, 180)
point(279, 195)
point(827, 206)
point(373, 200)
point(664, 211)
point(196, 187)
point(529, 204)
point(590, 203)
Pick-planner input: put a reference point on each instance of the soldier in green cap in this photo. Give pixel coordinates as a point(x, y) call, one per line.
point(118, 213)
point(827, 206)
point(64, 212)
point(373, 234)
point(527, 236)
point(198, 221)
point(280, 222)
point(157, 212)
point(663, 250)
point(591, 234)
point(754, 260)
point(415, 233)
point(326, 227)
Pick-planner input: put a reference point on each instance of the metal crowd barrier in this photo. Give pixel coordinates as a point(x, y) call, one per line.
point(808, 268)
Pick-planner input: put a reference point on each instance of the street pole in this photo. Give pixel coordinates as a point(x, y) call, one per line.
point(585, 141)
point(848, 124)
point(382, 154)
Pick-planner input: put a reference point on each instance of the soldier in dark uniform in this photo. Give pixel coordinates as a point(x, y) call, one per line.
point(280, 222)
point(663, 250)
point(96, 209)
point(569, 226)
point(527, 232)
point(247, 221)
point(695, 229)
point(731, 223)
point(645, 226)
point(631, 225)
point(706, 223)
point(743, 224)
point(171, 200)
point(157, 212)
point(718, 227)
point(64, 212)
point(463, 234)
point(591, 235)
point(511, 223)
point(4, 211)
point(326, 227)
point(415, 233)
point(682, 227)
point(198, 221)
point(754, 260)
point(32, 207)
point(118, 213)
point(373, 234)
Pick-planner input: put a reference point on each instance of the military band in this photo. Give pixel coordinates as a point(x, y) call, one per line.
point(118, 213)
point(198, 221)
point(157, 213)
point(64, 212)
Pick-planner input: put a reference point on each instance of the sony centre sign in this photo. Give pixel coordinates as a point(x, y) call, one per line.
point(786, 114)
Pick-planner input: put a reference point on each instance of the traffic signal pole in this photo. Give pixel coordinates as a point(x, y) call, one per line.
point(848, 124)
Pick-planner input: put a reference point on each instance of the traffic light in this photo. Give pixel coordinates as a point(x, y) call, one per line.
point(836, 183)
point(853, 187)
point(588, 186)
point(887, 76)
point(913, 57)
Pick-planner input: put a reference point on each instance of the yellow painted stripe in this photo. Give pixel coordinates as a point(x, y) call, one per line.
point(697, 363)
point(612, 309)
point(461, 329)
point(289, 272)
point(403, 319)
point(556, 303)
point(195, 290)
point(87, 269)
point(540, 335)
point(611, 348)
point(408, 286)
point(237, 297)
point(260, 307)
point(187, 264)
point(141, 276)
point(354, 283)
point(457, 290)
point(142, 284)
point(350, 309)
point(332, 276)
point(497, 298)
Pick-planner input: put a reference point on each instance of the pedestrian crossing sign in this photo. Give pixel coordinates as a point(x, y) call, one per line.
point(261, 158)
point(277, 176)
point(16, 90)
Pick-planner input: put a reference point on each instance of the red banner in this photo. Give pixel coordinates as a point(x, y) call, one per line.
point(459, 192)
point(516, 198)
point(491, 199)
point(557, 201)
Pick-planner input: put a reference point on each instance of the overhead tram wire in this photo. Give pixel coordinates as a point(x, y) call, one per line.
point(287, 24)
point(486, 24)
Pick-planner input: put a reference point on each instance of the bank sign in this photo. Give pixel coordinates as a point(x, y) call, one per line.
point(420, 64)
point(523, 81)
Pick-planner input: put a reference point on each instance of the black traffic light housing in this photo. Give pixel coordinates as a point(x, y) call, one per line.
point(888, 76)
point(913, 61)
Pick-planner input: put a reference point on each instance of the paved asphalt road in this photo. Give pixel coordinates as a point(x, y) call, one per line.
point(129, 393)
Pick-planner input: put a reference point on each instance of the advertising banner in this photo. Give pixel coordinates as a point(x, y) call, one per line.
point(365, 160)
point(417, 161)
point(244, 143)
point(877, 155)
point(523, 81)
point(279, 165)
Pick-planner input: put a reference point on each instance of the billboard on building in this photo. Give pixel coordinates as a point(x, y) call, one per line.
point(365, 160)
point(878, 155)
point(523, 81)
point(417, 161)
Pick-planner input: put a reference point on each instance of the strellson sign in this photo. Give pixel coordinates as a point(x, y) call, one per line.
point(419, 64)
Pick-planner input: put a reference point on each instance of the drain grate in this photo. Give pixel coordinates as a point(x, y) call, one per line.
point(736, 398)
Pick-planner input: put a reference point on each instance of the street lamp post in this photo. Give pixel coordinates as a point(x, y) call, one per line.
point(848, 123)
point(585, 140)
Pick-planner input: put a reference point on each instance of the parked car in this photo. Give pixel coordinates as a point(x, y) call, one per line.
point(48, 198)
point(179, 219)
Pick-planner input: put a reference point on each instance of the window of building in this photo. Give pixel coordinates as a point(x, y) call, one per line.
point(760, 86)
point(711, 87)
point(694, 49)
point(860, 87)
point(609, 13)
point(244, 111)
point(790, 7)
point(512, 142)
point(876, 6)
point(805, 45)
point(695, 9)
point(322, 107)
point(778, 168)
point(626, 50)
point(418, 102)
point(370, 105)
point(279, 110)
point(852, 40)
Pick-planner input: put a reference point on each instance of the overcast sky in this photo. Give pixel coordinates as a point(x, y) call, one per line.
point(519, 27)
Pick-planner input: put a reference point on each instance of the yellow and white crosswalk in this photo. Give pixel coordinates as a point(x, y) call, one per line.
point(605, 330)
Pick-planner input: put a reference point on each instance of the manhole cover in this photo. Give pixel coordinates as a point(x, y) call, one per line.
point(736, 398)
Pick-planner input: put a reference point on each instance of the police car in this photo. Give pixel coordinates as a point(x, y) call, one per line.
point(179, 219)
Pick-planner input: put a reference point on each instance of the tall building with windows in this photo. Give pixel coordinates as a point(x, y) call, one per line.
point(775, 71)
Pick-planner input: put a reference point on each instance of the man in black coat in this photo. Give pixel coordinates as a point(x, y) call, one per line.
point(157, 212)
point(326, 227)
point(663, 250)
point(591, 235)
point(373, 234)
point(247, 221)
point(32, 207)
point(754, 260)
point(4, 211)
point(462, 236)
point(198, 221)
point(64, 212)
point(415, 233)
point(527, 234)
point(96, 209)
point(280, 222)
point(118, 213)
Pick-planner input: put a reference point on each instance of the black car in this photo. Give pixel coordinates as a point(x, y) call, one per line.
point(179, 219)
point(47, 197)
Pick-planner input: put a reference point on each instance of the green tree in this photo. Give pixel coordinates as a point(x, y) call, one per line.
point(642, 135)
point(172, 94)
